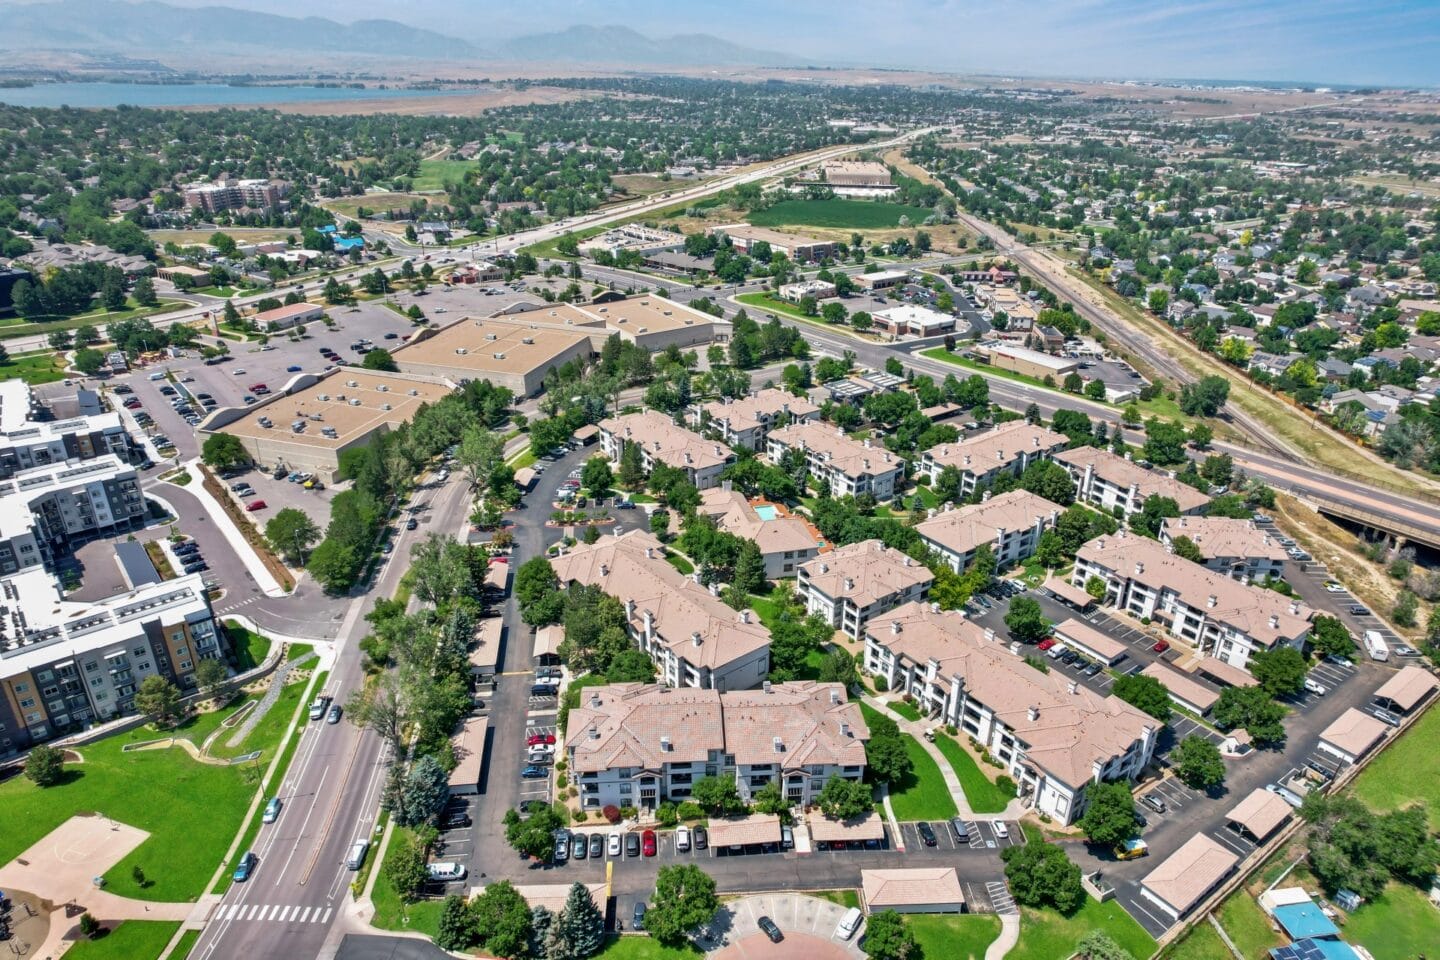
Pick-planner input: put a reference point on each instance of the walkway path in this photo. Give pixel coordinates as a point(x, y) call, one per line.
point(917, 728)
point(272, 693)
point(1009, 936)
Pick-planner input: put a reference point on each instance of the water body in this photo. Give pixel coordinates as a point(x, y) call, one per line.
point(187, 94)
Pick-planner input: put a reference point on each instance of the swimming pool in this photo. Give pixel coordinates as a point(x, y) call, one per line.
point(766, 512)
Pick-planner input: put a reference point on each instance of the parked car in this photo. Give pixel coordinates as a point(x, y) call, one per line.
point(1154, 803)
point(613, 844)
point(579, 844)
point(770, 930)
point(532, 772)
point(960, 830)
point(272, 811)
point(1001, 830)
point(562, 846)
point(1358, 610)
point(1045, 644)
point(1161, 646)
point(1132, 849)
point(597, 846)
point(1386, 716)
point(632, 844)
point(245, 867)
point(411, 524)
point(647, 843)
point(927, 833)
point(1315, 687)
point(293, 368)
point(637, 919)
point(682, 838)
point(446, 872)
point(700, 838)
point(1093, 669)
point(254, 505)
point(535, 739)
point(455, 821)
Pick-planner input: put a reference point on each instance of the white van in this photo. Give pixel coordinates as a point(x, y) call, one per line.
point(157, 375)
point(446, 871)
point(356, 859)
point(848, 924)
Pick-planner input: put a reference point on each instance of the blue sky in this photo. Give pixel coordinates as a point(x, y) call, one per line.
point(1334, 41)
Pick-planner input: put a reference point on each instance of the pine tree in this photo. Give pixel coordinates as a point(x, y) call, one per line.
point(632, 467)
point(582, 923)
point(750, 568)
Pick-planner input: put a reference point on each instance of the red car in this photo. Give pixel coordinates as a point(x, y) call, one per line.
point(647, 843)
point(1161, 646)
point(536, 739)
point(1045, 644)
point(254, 505)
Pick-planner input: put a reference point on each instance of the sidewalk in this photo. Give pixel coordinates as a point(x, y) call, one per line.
point(1009, 936)
point(223, 522)
point(917, 728)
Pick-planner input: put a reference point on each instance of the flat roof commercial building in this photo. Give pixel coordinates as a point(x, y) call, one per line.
point(283, 318)
point(1029, 363)
point(1106, 480)
point(1237, 548)
point(647, 320)
point(795, 292)
point(908, 319)
point(309, 427)
point(1009, 524)
point(51, 509)
point(1007, 448)
point(1216, 615)
point(633, 237)
point(1185, 877)
point(503, 350)
point(856, 173)
point(661, 440)
point(1052, 735)
point(746, 421)
point(881, 279)
point(859, 581)
point(849, 466)
point(800, 249)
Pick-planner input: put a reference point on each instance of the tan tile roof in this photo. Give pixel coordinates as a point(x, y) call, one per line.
point(1408, 687)
point(851, 457)
point(552, 896)
point(681, 607)
point(738, 831)
point(1225, 537)
point(1126, 473)
point(968, 527)
point(667, 442)
point(1261, 812)
point(1074, 727)
point(548, 639)
point(865, 572)
point(915, 886)
point(869, 826)
point(746, 412)
point(1183, 878)
point(1227, 672)
point(1068, 591)
point(1182, 685)
point(814, 723)
point(1265, 616)
point(469, 746)
point(734, 515)
point(1081, 633)
point(1354, 733)
point(996, 448)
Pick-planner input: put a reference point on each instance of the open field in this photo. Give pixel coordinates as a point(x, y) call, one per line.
point(434, 173)
point(644, 184)
point(459, 104)
point(1408, 772)
point(33, 368)
point(186, 238)
point(957, 937)
point(131, 940)
point(13, 326)
point(1401, 925)
point(1049, 935)
point(1399, 184)
point(383, 201)
point(1246, 924)
point(643, 948)
point(840, 214)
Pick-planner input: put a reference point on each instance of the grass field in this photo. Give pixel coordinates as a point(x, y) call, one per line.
point(1048, 935)
point(643, 948)
point(907, 710)
point(349, 206)
point(391, 913)
point(250, 648)
point(923, 794)
point(1200, 943)
point(846, 898)
point(187, 238)
point(960, 937)
point(1246, 924)
point(1407, 772)
point(434, 173)
point(186, 943)
point(33, 368)
point(983, 795)
point(131, 940)
point(1401, 925)
point(842, 214)
point(12, 327)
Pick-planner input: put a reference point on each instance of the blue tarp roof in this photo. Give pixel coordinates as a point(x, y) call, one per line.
point(1304, 920)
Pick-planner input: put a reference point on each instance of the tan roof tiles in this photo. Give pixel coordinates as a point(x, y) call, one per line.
point(747, 412)
point(1408, 687)
point(999, 447)
point(851, 457)
point(968, 527)
point(1224, 537)
point(734, 515)
point(916, 886)
point(1126, 473)
point(1260, 813)
point(865, 572)
point(1183, 878)
point(1354, 733)
point(666, 442)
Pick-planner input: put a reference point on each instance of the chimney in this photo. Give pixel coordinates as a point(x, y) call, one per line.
point(604, 570)
point(845, 729)
point(999, 454)
point(695, 638)
point(1140, 568)
point(744, 616)
point(967, 459)
point(649, 553)
point(824, 567)
point(665, 746)
point(934, 607)
point(895, 627)
point(629, 610)
point(868, 444)
point(649, 625)
point(1274, 621)
point(1211, 600)
point(778, 744)
point(849, 584)
point(765, 686)
point(834, 697)
point(1033, 713)
point(1035, 442)
point(1074, 688)
point(1294, 608)
point(714, 589)
point(594, 701)
point(594, 732)
point(908, 560)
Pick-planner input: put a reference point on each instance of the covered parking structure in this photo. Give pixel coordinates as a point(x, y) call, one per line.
point(1080, 636)
point(1185, 692)
point(756, 833)
point(837, 834)
point(486, 652)
point(1185, 877)
point(1068, 593)
point(1352, 735)
point(1225, 674)
point(1260, 814)
point(1410, 687)
point(547, 644)
point(469, 747)
point(915, 890)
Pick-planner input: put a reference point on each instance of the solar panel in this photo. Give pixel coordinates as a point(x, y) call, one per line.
point(1301, 950)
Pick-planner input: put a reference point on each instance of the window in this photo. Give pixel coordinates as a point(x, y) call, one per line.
point(92, 666)
point(22, 688)
point(98, 682)
point(27, 703)
point(142, 666)
point(50, 691)
point(181, 651)
point(141, 651)
point(184, 664)
point(178, 636)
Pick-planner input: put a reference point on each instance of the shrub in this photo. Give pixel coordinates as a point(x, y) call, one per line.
point(560, 782)
point(665, 814)
point(89, 926)
point(689, 811)
point(881, 684)
point(611, 813)
point(627, 812)
point(1005, 785)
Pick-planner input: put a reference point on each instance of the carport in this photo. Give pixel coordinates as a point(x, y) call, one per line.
point(855, 830)
point(547, 644)
point(524, 477)
point(1409, 688)
point(497, 578)
point(1225, 674)
point(918, 890)
point(552, 896)
point(1352, 735)
point(1260, 814)
point(1086, 639)
point(1184, 691)
point(1184, 878)
point(740, 834)
point(1068, 593)
point(487, 648)
point(469, 746)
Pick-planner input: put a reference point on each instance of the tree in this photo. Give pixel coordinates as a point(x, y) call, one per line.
point(59, 339)
point(1046, 478)
point(1098, 945)
point(144, 292)
point(1197, 763)
point(888, 938)
point(632, 467)
point(537, 590)
point(380, 359)
point(1146, 693)
point(838, 666)
point(158, 699)
point(89, 361)
point(1184, 547)
point(455, 930)
point(769, 799)
point(718, 795)
point(684, 899)
point(885, 755)
point(439, 569)
point(580, 925)
point(749, 569)
point(597, 476)
point(1252, 709)
point(535, 835)
point(45, 765)
point(841, 799)
point(86, 335)
point(210, 676)
point(1095, 390)
point(1152, 511)
point(502, 920)
point(1281, 672)
point(1109, 819)
point(1159, 300)
point(223, 451)
point(292, 533)
point(425, 791)
point(1026, 620)
point(1164, 441)
point(1096, 587)
point(1328, 637)
point(1040, 875)
point(1206, 397)
point(405, 867)
point(112, 293)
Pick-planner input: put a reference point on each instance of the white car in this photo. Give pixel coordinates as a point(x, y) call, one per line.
point(542, 748)
point(1332, 587)
point(682, 838)
point(613, 846)
point(238, 372)
point(446, 871)
point(1316, 688)
point(1001, 831)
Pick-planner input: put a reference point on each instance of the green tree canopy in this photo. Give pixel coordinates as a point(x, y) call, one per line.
point(1109, 817)
point(684, 900)
point(1197, 763)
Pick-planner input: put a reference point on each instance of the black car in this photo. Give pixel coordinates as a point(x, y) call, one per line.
point(700, 838)
point(960, 830)
point(632, 844)
point(927, 833)
point(541, 690)
point(768, 926)
point(637, 919)
point(1358, 610)
point(189, 546)
point(455, 821)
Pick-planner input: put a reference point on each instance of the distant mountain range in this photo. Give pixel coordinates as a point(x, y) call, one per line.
point(155, 29)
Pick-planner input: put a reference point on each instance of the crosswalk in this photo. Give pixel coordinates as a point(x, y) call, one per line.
point(273, 913)
point(237, 605)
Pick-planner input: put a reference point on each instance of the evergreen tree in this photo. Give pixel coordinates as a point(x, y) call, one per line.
point(582, 923)
point(750, 568)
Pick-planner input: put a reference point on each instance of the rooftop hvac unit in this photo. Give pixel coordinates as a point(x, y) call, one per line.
point(384, 406)
point(527, 339)
point(383, 388)
point(352, 383)
point(325, 397)
point(642, 330)
point(414, 392)
point(492, 336)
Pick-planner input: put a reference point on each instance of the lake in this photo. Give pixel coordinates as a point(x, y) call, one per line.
point(186, 94)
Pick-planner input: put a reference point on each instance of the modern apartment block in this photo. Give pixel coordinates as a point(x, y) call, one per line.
point(29, 439)
point(1218, 616)
point(1053, 735)
point(1008, 448)
point(847, 466)
point(746, 422)
point(662, 441)
point(1234, 547)
point(695, 639)
point(65, 665)
point(235, 195)
point(1106, 480)
point(45, 511)
point(785, 542)
point(860, 581)
point(1010, 524)
point(639, 745)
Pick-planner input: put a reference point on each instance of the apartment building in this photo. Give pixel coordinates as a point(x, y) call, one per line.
point(639, 745)
point(1218, 616)
point(860, 581)
point(235, 195)
point(785, 542)
point(65, 665)
point(1234, 547)
point(48, 510)
point(661, 440)
point(28, 438)
point(746, 422)
point(1007, 448)
point(1106, 480)
point(695, 639)
point(1053, 735)
point(1010, 524)
point(847, 466)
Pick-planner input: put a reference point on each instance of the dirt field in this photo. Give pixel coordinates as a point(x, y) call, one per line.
point(459, 104)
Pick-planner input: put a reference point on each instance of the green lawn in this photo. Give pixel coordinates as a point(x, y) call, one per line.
point(1247, 925)
point(434, 173)
point(680, 563)
point(33, 368)
point(250, 648)
point(954, 937)
point(131, 940)
point(393, 914)
point(1048, 935)
point(983, 795)
point(846, 898)
point(23, 326)
point(1407, 772)
point(267, 733)
point(1401, 925)
point(766, 609)
point(643, 948)
point(945, 356)
point(765, 301)
point(923, 794)
point(841, 214)
point(1200, 942)
point(187, 943)
point(907, 710)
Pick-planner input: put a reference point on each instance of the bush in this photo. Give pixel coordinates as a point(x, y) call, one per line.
point(627, 812)
point(560, 781)
point(1005, 785)
point(689, 811)
point(665, 814)
point(45, 765)
point(89, 926)
point(611, 813)
point(881, 684)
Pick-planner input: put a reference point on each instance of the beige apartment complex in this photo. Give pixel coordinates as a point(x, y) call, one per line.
point(1007, 448)
point(862, 580)
point(848, 467)
point(1010, 524)
point(785, 542)
point(1107, 480)
point(661, 440)
point(746, 422)
point(1237, 548)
